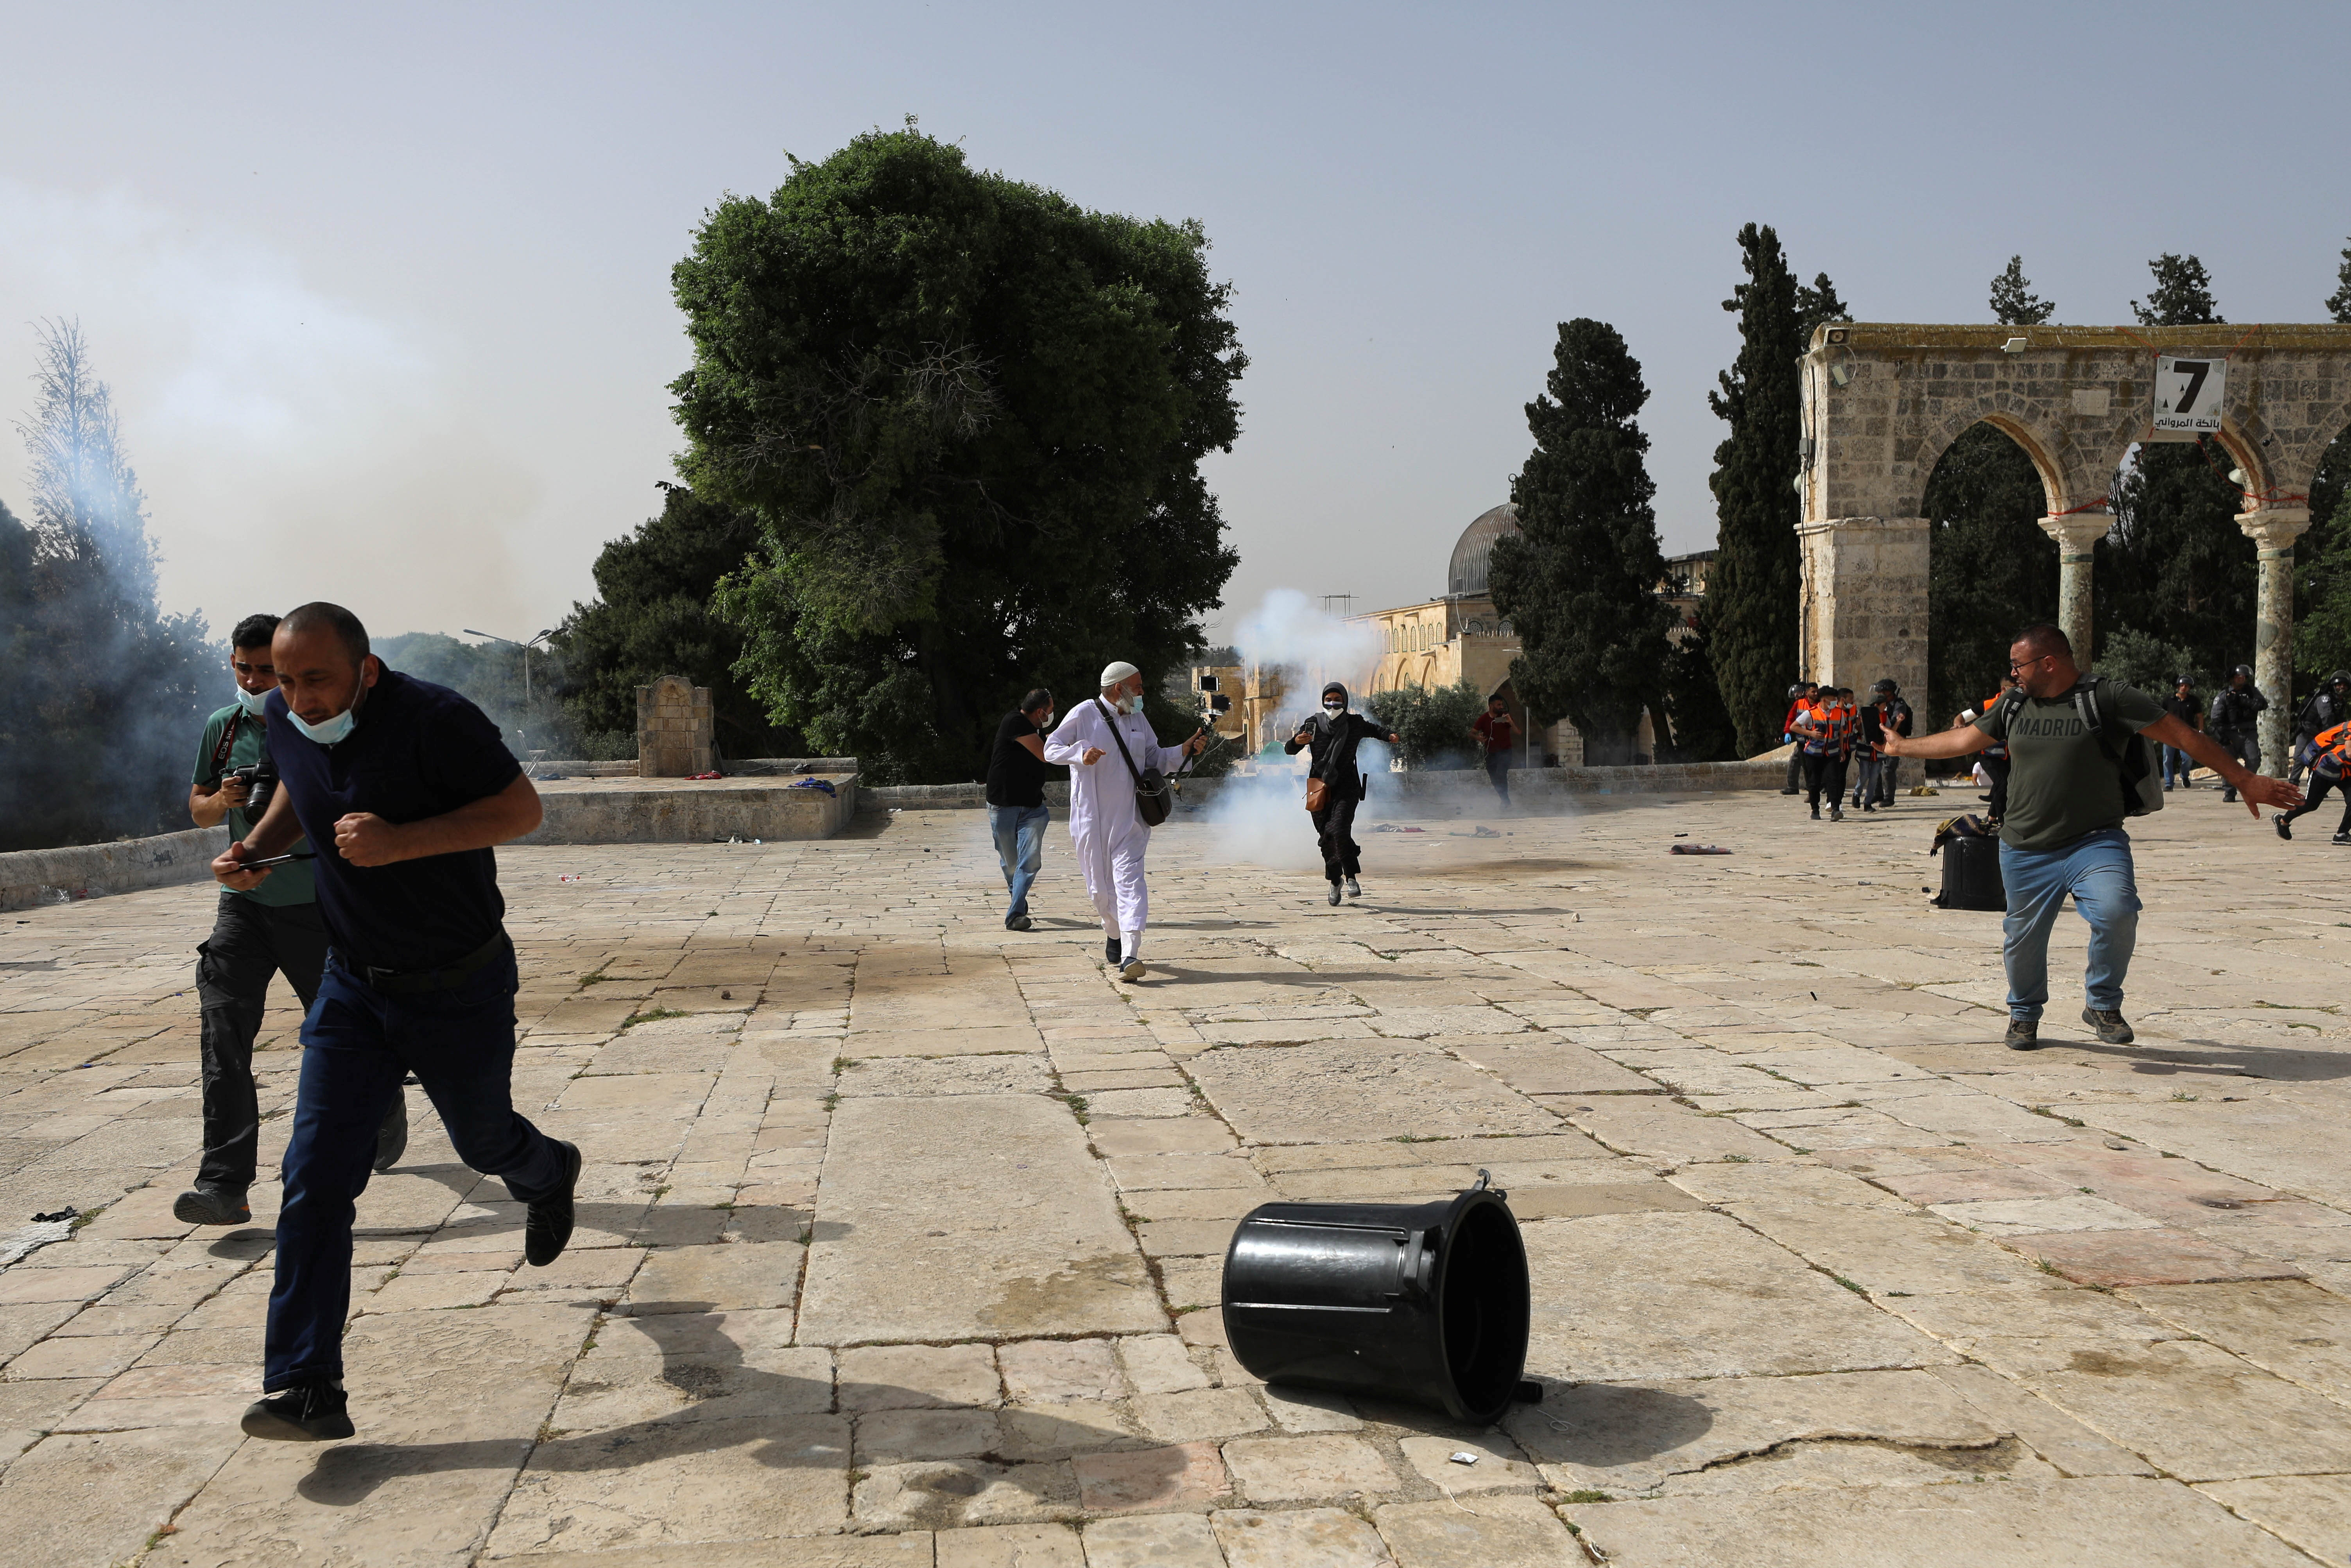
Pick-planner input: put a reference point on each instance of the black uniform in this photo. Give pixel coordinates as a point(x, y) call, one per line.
point(2233, 715)
point(1330, 748)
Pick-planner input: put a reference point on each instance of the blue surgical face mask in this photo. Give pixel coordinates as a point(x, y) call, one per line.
point(251, 702)
point(328, 732)
point(1130, 704)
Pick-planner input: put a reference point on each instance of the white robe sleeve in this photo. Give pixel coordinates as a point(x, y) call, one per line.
point(1067, 745)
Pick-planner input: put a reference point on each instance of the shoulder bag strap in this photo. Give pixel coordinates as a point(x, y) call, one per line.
point(1108, 718)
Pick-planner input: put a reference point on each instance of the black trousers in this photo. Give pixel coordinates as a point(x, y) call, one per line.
point(250, 942)
point(1334, 833)
point(1823, 773)
point(1498, 773)
point(1796, 769)
point(1997, 767)
point(2319, 785)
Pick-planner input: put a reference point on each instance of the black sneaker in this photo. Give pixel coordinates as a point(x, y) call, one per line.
point(1017, 922)
point(546, 1224)
point(1816, 813)
point(2340, 838)
point(1110, 951)
point(2024, 1034)
point(201, 1204)
point(392, 1138)
point(2278, 822)
point(1792, 791)
point(312, 1411)
point(2109, 1024)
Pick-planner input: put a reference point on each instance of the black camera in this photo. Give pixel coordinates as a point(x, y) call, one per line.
point(261, 781)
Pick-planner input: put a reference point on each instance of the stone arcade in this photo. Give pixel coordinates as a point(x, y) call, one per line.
point(1882, 403)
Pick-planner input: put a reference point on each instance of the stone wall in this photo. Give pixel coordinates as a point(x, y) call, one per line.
point(29, 877)
point(673, 729)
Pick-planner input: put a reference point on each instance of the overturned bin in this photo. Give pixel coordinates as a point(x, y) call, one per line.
point(1426, 1302)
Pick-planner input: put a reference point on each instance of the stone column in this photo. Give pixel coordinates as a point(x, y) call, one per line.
point(2078, 535)
point(1865, 602)
point(2273, 530)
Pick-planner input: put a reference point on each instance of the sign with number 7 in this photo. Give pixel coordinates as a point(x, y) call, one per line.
point(2188, 396)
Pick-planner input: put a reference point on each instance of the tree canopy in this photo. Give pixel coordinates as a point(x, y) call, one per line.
point(651, 616)
point(968, 416)
point(1579, 579)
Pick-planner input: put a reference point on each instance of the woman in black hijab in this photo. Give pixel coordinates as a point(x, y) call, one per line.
point(1329, 738)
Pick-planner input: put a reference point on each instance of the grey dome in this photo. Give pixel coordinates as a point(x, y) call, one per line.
point(1466, 574)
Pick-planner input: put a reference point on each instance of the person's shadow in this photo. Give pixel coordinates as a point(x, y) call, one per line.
point(701, 1364)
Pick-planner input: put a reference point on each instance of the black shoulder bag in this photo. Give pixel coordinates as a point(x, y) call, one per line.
point(1152, 797)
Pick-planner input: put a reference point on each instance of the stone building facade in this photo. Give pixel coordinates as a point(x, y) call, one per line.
point(1883, 402)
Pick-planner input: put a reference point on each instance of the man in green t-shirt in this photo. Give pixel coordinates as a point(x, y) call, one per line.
point(272, 929)
point(2062, 833)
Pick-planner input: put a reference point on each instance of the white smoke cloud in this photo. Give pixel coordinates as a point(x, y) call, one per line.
point(293, 444)
point(1288, 632)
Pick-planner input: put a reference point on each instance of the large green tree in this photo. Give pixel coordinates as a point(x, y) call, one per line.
point(2176, 566)
point(1580, 577)
point(969, 416)
point(1990, 569)
point(651, 616)
point(1752, 592)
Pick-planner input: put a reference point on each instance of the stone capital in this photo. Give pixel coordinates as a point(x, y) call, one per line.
point(2077, 532)
point(2274, 527)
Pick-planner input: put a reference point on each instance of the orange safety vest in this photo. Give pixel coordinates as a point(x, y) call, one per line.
point(2332, 745)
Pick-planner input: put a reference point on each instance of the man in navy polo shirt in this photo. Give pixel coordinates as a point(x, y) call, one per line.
point(403, 787)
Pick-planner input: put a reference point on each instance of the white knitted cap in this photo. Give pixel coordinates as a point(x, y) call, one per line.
point(1116, 671)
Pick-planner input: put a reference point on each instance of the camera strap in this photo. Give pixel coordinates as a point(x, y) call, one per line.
point(227, 743)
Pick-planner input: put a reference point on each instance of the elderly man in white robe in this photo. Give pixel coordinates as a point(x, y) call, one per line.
point(1106, 829)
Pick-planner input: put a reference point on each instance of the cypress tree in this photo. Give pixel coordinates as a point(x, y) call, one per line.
point(2321, 623)
point(1580, 578)
point(1751, 593)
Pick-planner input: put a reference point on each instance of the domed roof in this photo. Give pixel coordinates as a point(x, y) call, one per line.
point(1466, 574)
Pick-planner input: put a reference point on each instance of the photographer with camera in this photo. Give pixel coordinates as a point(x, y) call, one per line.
point(274, 928)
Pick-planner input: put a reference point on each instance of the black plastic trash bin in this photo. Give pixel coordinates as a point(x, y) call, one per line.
point(1971, 874)
point(1425, 1301)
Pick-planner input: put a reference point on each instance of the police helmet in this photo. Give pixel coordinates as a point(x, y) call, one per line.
point(2244, 670)
point(2340, 678)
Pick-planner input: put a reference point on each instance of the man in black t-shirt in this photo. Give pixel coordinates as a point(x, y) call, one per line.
point(401, 788)
point(1016, 771)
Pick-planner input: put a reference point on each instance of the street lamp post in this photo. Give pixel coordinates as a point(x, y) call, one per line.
point(526, 648)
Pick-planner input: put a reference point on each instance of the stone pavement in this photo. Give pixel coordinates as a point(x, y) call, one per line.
point(900, 1234)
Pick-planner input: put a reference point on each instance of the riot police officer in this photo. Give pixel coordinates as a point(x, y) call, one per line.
point(2234, 713)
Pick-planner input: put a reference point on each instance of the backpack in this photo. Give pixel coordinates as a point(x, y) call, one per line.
point(2131, 752)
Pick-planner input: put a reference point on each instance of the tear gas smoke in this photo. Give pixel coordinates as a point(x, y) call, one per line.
point(1262, 819)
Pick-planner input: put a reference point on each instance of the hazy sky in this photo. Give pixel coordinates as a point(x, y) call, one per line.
point(385, 297)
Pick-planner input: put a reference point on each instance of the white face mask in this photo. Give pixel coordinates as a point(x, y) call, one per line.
point(328, 732)
point(251, 702)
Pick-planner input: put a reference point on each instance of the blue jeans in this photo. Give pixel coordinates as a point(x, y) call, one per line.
point(357, 1042)
point(2177, 765)
point(1020, 834)
point(2096, 870)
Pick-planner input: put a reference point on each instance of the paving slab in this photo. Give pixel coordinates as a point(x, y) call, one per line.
point(2099, 1522)
point(1475, 1532)
point(1337, 1092)
point(999, 1189)
point(1627, 1296)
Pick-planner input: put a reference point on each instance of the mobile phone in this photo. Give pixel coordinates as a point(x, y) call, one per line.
point(276, 860)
